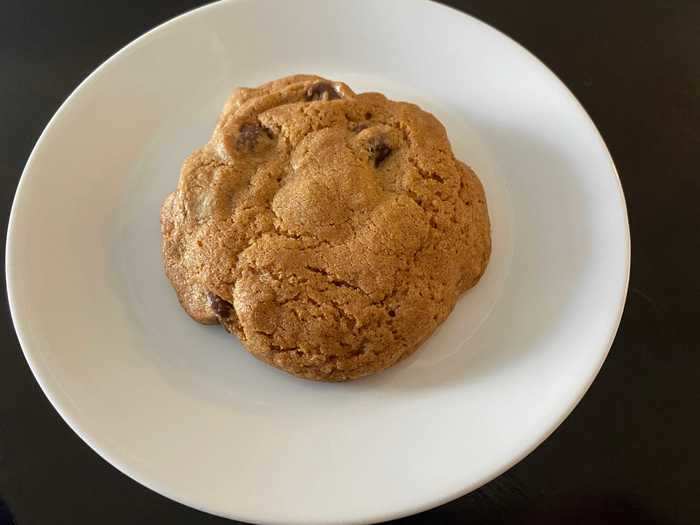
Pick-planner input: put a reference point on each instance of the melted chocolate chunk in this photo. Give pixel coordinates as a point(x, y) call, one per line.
point(221, 307)
point(249, 134)
point(321, 91)
point(379, 150)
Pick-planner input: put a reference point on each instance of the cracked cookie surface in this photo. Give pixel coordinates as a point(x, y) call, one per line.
point(332, 232)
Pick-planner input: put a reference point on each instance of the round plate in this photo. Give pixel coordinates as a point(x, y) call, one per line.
point(181, 407)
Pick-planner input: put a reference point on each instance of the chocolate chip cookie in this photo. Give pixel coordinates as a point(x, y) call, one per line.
point(332, 232)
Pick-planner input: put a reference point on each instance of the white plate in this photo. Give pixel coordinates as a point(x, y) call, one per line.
point(180, 407)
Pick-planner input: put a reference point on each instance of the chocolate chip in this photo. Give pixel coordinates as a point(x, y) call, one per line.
point(379, 150)
point(382, 152)
point(221, 307)
point(321, 91)
point(248, 135)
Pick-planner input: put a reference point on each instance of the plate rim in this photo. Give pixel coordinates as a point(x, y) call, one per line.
point(41, 376)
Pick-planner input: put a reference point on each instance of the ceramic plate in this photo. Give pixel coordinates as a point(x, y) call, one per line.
point(180, 407)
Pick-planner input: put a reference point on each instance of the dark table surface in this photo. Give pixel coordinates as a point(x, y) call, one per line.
point(629, 453)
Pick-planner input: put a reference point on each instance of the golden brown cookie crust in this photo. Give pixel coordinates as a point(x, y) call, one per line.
point(331, 231)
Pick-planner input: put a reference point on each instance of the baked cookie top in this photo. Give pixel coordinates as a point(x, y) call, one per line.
point(331, 231)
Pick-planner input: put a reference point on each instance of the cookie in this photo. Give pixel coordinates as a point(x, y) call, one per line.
point(332, 232)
